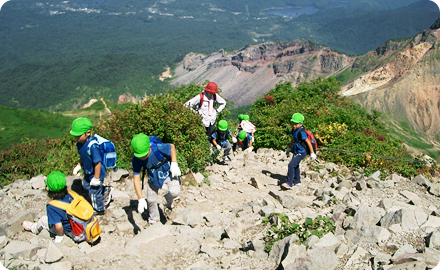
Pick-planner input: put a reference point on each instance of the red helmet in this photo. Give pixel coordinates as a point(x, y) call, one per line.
point(211, 87)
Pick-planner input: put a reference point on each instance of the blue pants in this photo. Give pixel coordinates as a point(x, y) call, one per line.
point(293, 173)
point(95, 194)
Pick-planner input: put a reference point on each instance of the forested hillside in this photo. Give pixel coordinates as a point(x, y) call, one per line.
point(76, 51)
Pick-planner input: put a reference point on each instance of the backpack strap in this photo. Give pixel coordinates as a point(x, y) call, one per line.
point(296, 140)
point(72, 193)
point(201, 101)
point(162, 160)
point(89, 145)
point(59, 204)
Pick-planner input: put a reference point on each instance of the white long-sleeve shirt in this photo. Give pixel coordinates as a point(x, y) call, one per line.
point(204, 109)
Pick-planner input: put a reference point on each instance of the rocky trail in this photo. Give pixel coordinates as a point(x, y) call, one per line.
point(217, 222)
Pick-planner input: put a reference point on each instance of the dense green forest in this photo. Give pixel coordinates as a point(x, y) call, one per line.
point(56, 54)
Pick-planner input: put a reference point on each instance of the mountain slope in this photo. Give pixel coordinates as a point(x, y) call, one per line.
point(405, 86)
point(253, 70)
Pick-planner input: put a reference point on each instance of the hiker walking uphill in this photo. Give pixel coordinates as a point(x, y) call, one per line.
point(92, 163)
point(244, 141)
point(55, 221)
point(300, 141)
point(220, 139)
point(204, 104)
point(160, 162)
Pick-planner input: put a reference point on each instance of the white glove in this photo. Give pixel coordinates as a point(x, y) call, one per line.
point(76, 169)
point(312, 156)
point(142, 205)
point(219, 147)
point(250, 149)
point(95, 182)
point(175, 170)
point(234, 140)
point(58, 239)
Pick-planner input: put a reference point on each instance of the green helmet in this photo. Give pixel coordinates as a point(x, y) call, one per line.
point(80, 126)
point(246, 117)
point(223, 125)
point(242, 135)
point(141, 145)
point(240, 116)
point(56, 181)
point(297, 118)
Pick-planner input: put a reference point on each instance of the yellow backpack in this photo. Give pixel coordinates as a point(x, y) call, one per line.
point(84, 223)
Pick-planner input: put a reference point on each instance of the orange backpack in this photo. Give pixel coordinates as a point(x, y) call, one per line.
point(84, 223)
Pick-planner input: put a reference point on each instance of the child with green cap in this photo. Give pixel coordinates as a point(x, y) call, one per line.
point(91, 162)
point(160, 162)
point(220, 139)
point(244, 141)
point(55, 221)
point(296, 146)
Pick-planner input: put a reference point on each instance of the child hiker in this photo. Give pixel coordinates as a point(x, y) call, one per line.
point(160, 170)
point(55, 221)
point(220, 139)
point(244, 141)
point(94, 170)
point(296, 146)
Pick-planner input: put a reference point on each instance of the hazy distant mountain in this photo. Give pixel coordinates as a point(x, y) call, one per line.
point(56, 55)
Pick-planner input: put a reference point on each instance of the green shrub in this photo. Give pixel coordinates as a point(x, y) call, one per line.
point(336, 122)
point(280, 227)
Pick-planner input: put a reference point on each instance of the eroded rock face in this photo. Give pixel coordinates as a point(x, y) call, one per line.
point(384, 225)
point(252, 71)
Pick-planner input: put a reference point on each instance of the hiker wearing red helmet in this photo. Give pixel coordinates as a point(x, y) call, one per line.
point(204, 104)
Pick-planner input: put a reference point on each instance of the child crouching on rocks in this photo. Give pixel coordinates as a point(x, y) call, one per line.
point(56, 221)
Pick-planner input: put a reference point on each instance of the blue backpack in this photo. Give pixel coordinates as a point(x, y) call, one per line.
point(162, 160)
point(107, 150)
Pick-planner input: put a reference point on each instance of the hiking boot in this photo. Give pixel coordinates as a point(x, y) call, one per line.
point(226, 159)
point(107, 195)
point(167, 212)
point(100, 213)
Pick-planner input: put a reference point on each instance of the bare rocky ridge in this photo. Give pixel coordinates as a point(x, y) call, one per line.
point(252, 71)
point(391, 224)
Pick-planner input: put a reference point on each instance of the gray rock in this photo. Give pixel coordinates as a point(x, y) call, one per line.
point(366, 216)
point(421, 180)
point(158, 230)
point(381, 259)
point(366, 234)
point(433, 240)
point(31, 193)
point(215, 232)
point(234, 231)
point(316, 259)
point(409, 219)
point(3, 241)
point(189, 216)
point(409, 266)
point(404, 250)
point(266, 211)
point(64, 265)
point(213, 253)
point(21, 249)
point(329, 241)
point(53, 254)
point(118, 175)
point(295, 252)
point(434, 189)
point(38, 182)
point(412, 197)
point(256, 183)
point(13, 225)
point(198, 177)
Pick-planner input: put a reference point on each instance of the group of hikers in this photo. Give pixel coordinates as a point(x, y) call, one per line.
point(159, 160)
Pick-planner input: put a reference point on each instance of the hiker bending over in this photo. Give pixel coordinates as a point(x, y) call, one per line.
point(244, 141)
point(91, 161)
point(220, 139)
point(204, 104)
point(160, 162)
point(299, 141)
point(56, 221)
